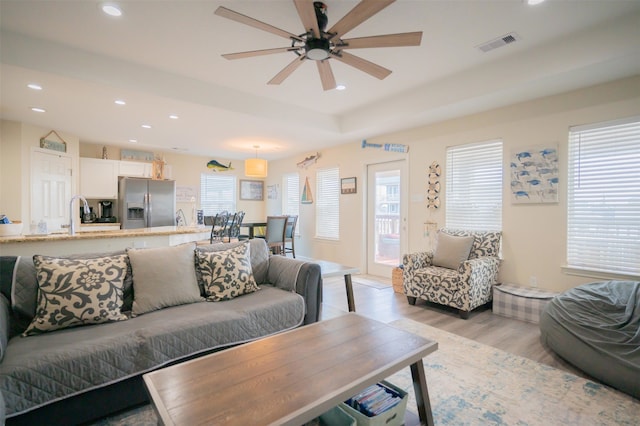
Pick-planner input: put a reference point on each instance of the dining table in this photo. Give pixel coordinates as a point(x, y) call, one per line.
point(252, 226)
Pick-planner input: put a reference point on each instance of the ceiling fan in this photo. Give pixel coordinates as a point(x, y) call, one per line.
point(319, 45)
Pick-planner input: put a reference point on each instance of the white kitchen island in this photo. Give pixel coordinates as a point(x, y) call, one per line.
point(100, 241)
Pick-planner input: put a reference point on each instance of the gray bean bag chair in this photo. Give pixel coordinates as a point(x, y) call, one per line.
point(596, 327)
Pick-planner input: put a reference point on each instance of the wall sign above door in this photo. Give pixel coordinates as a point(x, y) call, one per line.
point(60, 146)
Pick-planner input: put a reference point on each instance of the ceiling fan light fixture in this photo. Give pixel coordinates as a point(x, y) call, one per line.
point(255, 167)
point(317, 49)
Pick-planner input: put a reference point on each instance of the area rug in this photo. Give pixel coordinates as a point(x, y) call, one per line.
point(474, 384)
point(470, 383)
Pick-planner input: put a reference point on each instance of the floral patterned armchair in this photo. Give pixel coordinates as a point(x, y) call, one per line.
point(464, 288)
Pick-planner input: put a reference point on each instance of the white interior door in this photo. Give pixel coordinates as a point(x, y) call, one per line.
point(386, 216)
point(50, 188)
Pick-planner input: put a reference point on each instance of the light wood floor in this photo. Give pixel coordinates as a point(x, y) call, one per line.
point(510, 335)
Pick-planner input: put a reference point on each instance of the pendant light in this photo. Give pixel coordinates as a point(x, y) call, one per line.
point(255, 167)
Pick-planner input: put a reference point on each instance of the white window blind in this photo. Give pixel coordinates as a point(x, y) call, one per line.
point(291, 196)
point(328, 203)
point(603, 205)
point(217, 193)
point(474, 186)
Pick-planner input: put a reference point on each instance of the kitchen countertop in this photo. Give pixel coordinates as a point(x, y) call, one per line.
point(119, 233)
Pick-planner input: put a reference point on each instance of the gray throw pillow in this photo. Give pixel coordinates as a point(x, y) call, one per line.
point(163, 277)
point(451, 251)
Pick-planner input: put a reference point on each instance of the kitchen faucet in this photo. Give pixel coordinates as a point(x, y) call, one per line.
point(72, 222)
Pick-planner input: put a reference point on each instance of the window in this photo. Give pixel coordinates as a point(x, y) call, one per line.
point(328, 203)
point(217, 193)
point(603, 197)
point(291, 196)
point(474, 186)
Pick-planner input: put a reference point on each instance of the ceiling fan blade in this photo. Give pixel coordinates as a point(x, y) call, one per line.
point(307, 13)
point(363, 65)
point(388, 40)
point(251, 53)
point(243, 19)
point(356, 16)
point(286, 71)
point(326, 75)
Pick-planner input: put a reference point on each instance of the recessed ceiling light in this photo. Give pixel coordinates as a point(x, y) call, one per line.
point(111, 9)
point(341, 87)
point(173, 117)
point(37, 109)
point(534, 2)
point(146, 126)
point(133, 140)
point(120, 102)
point(34, 86)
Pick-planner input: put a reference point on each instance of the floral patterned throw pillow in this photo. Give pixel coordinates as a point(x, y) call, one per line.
point(226, 274)
point(74, 292)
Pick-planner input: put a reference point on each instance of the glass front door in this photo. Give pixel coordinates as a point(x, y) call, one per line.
point(386, 218)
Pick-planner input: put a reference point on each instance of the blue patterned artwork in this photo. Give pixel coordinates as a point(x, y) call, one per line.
point(534, 175)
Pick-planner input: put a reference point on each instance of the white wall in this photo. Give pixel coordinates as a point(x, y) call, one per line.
point(18, 140)
point(10, 193)
point(534, 235)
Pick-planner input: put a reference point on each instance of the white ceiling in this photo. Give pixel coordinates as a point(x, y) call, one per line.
point(163, 57)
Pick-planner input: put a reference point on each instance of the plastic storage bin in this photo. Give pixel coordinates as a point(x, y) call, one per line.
point(394, 416)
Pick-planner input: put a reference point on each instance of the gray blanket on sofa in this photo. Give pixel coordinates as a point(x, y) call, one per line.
point(94, 356)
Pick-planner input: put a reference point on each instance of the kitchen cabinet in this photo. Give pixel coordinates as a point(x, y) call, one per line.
point(97, 227)
point(99, 178)
point(135, 169)
point(143, 170)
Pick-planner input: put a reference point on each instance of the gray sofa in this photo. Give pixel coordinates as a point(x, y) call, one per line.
point(76, 374)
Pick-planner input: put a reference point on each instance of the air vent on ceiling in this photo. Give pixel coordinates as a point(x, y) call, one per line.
point(499, 42)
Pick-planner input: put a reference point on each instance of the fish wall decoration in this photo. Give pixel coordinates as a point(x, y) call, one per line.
point(312, 159)
point(215, 166)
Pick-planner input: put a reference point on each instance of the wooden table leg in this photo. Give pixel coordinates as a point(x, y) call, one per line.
point(349, 286)
point(422, 393)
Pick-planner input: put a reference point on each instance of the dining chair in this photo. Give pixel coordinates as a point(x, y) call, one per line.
point(289, 235)
point(276, 229)
point(234, 228)
point(219, 227)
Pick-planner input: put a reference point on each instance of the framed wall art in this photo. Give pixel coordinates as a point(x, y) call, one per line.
point(348, 185)
point(534, 175)
point(251, 190)
point(272, 192)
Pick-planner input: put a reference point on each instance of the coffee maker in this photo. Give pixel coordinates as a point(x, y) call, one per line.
point(105, 211)
point(87, 216)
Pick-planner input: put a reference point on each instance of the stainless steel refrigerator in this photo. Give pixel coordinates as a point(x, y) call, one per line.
point(144, 203)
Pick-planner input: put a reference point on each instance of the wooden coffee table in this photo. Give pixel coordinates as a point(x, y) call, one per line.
point(289, 378)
